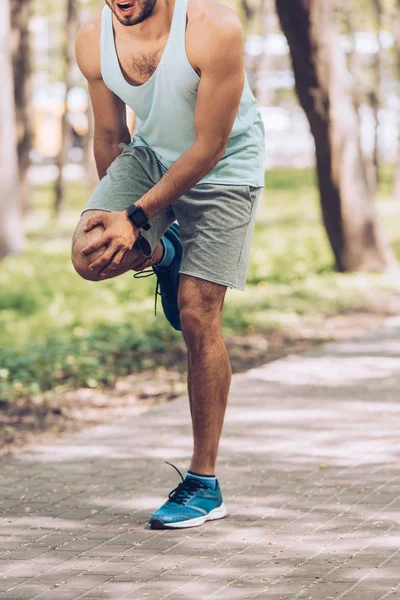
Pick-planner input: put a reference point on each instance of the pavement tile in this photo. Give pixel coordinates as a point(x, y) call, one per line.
point(24, 592)
point(83, 582)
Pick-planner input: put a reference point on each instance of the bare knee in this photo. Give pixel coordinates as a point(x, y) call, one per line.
point(192, 320)
point(200, 306)
point(82, 239)
point(199, 321)
point(199, 326)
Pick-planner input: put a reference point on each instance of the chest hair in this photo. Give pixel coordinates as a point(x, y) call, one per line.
point(145, 64)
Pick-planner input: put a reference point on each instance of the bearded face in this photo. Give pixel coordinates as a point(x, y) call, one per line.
point(131, 12)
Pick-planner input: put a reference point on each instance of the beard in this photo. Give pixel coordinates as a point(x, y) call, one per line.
point(143, 10)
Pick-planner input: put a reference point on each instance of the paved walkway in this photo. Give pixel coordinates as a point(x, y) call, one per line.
point(310, 469)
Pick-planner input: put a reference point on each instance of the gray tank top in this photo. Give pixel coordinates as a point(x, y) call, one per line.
point(165, 104)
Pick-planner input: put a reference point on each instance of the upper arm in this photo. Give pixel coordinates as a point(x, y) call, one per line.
point(222, 79)
point(109, 113)
point(109, 110)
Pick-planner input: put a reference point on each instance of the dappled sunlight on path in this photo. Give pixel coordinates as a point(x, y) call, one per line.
point(310, 471)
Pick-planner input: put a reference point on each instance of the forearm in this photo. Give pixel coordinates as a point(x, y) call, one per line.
point(105, 152)
point(185, 173)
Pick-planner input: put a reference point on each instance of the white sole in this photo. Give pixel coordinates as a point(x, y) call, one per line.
point(218, 513)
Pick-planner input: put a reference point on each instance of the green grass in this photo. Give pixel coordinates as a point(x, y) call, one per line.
point(58, 330)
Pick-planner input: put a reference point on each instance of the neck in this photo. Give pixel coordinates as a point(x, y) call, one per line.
point(156, 26)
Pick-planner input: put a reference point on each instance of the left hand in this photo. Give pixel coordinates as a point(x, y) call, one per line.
point(119, 235)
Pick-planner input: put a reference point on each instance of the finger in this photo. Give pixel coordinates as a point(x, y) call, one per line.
point(142, 264)
point(138, 261)
point(114, 264)
point(102, 262)
point(102, 241)
point(92, 222)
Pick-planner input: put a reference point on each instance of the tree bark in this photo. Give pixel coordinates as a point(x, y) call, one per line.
point(68, 58)
point(396, 30)
point(20, 15)
point(265, 17)
point(348, 205)
point(376, 92)
point(11, 237)
point(358, 87)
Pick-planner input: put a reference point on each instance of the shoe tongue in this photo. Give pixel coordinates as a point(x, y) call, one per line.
point(208, 482)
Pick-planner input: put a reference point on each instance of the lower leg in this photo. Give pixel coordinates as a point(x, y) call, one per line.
point(210, 378)
point(209, 373)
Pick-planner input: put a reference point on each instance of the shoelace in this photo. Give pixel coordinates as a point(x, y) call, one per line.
point(149, 273)
point(185, 490)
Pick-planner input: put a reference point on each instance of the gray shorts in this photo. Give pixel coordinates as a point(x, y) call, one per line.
point(216, 221)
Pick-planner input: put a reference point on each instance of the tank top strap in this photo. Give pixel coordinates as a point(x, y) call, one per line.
point(178, 28)
point(108, 56)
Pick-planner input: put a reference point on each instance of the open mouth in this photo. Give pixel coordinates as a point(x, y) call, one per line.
point(126, 7)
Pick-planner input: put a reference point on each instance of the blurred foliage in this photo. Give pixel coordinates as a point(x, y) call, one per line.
point(57, 329)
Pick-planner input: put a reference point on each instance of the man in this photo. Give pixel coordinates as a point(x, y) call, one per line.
point(197, 158)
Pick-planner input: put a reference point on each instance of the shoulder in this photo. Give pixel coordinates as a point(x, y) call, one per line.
point(214, 32)
point(213, 20)
point(87, 48)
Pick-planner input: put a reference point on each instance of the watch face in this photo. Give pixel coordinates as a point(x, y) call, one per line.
point(137, 216)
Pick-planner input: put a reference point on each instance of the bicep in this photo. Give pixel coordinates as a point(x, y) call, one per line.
point(219, 94)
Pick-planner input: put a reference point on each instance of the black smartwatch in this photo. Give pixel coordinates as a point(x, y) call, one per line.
point(138, 217)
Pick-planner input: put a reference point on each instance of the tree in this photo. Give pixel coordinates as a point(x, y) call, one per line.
point(376, 91)
point(10, 224)
point(68, 63)
point(22, 66)
point(348, 205)
point(396, 29)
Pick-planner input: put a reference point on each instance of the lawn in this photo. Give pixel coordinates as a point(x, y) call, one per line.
point(57, 330)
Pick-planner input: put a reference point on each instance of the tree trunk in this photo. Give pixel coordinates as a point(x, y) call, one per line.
point(11, 237)
point(265, 17)
point(348, 206)
point(20, 15)
point(358, 87)
point(396, 31)
point(68, 58)
point(248, 14)
point(376, 92)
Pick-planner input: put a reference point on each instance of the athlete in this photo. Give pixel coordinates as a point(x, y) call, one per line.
point(197, 158)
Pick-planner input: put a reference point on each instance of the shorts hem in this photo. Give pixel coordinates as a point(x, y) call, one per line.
point(95, 208)
point(213, 279)
point(144, 245)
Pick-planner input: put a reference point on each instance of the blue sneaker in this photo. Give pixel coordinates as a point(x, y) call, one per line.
point(168, 279)
point(190, 504)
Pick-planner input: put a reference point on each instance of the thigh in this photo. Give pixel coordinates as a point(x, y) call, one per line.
point(128, 178)
point(216, 229)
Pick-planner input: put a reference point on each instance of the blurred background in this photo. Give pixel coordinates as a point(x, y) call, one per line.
point(324, 265)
